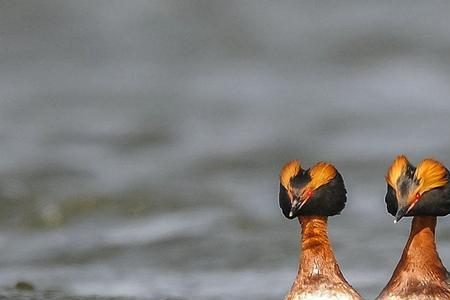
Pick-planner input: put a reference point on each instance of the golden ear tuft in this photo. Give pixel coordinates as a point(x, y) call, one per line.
point(397, 168)
point(288, 171)
point(321, 174)
point(431, 174)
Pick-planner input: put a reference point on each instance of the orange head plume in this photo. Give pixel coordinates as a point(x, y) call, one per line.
point(321, 174)
point(397, 169)
point(288, 171)
point(431, 174)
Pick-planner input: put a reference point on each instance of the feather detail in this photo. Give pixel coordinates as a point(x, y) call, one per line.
point(431, 174)
point(321, 174)
point(397, 168)
point(288, 171)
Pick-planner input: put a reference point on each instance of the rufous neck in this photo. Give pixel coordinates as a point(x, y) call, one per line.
point(317, 257)
point(420, 252)
point(423, 228)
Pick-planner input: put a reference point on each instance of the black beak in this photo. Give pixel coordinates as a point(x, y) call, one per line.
point(400, 214)
point(295, 208)
point(290, 208)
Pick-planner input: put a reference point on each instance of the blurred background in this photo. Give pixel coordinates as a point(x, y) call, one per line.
point(140, 141)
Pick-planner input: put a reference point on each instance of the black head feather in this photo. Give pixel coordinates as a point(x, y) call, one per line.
point(327, 200)
point(391, 201)
point(435, 202)
point(285, 202)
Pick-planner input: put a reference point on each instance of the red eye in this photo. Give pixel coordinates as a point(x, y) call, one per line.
point(417, 196)
point(309, 194)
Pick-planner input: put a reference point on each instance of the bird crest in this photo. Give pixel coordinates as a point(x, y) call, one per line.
point(289, 170)
point(321, 174)
point(431, 174)
point(398, 167)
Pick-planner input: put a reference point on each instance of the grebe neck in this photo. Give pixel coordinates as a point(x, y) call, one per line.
point(420, 272)
point(317, 257)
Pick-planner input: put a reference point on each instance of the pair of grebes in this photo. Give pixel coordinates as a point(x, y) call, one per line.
point(421, 191)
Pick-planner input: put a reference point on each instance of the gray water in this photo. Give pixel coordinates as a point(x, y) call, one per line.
point(140, 141)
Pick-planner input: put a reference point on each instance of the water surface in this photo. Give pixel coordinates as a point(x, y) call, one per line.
point(141, 142)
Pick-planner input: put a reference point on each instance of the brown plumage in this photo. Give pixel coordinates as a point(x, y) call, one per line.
point(422, 192)
point(420, 273)
point(319, 276)
point(313, 195)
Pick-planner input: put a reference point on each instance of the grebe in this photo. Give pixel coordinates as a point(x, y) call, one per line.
point(422, 192)
point(312, 195)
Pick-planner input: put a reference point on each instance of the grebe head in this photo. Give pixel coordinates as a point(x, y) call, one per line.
point(317, 191)
point(417, 191)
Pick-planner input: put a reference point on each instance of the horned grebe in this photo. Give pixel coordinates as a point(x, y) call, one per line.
point(422, 192)
point(312, 195)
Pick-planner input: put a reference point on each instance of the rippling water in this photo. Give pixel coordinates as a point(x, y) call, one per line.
point(141, 141)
